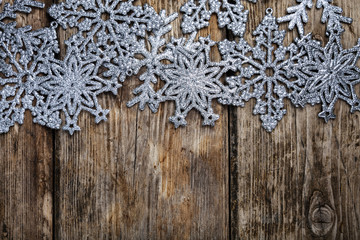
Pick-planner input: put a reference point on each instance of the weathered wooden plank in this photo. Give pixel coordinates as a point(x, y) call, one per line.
point(299, 182)
point(136, 177)
point(26, 171)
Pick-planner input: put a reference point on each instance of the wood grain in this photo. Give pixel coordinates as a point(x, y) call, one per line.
point(137, 177)
point(26, 170)
point(298, 182)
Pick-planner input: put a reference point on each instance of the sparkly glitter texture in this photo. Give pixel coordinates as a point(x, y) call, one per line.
point(230, 15)
point(116, 39)
point(262, 71)
point(20, 78)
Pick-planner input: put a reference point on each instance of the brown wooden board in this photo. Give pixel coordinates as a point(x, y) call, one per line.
point(299, 182)
point(137, 177)
point(26, 154)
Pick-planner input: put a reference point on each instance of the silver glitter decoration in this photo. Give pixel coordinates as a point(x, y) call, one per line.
point(72, 86)
point(262, 71)
point(95, 16)
point(20, 78)
point(297, 15)
point(153, 55)
point(116, 39)
point(24, 6)
point(324, 74)
point(109, 28)
point(192, 80)
point(230, 15)
point(329, 73)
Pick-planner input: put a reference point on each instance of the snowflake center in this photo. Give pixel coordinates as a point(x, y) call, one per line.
point(269, 72)
point(194, 76)
point(105, 16)
point(331, 71)
point(74, 81)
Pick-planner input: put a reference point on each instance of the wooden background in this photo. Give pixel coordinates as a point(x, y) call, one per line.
point(136, 177)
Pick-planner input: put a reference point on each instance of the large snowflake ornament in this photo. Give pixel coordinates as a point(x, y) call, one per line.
point(191, 79)
point(324, 74)
point(197, 15)
point(329, 73)
point(24, 58)
point(263, 71)
point(70, 87)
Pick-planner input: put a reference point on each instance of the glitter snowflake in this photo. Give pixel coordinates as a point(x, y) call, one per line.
point(325, 74)
point(192, 80)
point(70, 87)
point(20, 77)
point(24, 6)
point(297, 15)
point(230, 15)
point(94, 15)
point(330, 73)
point(108, 28)
point(262, 71)
point(152, 61)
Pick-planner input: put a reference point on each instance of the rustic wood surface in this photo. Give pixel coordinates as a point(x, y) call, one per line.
point(137, 177)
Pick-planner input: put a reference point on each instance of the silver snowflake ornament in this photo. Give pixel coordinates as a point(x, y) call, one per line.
point(262, 71)
point(110, 29)
point(329, 73)
point(197, 15)
point(70, 87)
point(153, 53)
point(24, 58)
point(93, 15)
point(192, 80)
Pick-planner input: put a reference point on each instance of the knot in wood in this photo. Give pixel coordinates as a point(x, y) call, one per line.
point(321, 215)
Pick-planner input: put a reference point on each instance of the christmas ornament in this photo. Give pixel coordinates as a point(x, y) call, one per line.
point(116, 39)
point(324, 74)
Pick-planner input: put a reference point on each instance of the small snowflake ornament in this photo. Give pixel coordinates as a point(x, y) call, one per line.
point(230, 15)
point(192, 80)
point(262, 71)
